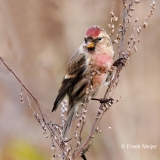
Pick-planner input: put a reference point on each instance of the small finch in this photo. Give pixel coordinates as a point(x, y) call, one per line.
point(87, 68)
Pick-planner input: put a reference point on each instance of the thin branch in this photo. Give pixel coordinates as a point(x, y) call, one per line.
point(123, 58)
point(36, 101)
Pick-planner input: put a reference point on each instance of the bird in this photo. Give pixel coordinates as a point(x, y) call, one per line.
point(87, 68)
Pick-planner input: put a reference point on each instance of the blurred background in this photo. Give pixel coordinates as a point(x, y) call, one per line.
point(37, 38)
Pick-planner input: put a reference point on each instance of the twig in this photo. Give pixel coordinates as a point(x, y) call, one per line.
point(122, 56)
point(36, 101)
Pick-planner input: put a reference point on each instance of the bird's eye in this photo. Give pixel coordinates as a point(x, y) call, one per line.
point(99, 38)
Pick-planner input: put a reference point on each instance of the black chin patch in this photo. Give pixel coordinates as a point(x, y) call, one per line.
point(91, 49)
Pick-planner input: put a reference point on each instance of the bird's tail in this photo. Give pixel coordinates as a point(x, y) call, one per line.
point(67, 126)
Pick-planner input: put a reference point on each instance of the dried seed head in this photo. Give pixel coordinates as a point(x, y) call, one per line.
point(135, 48)
point(112, 31)
point(78, 125)
point(21, 100)
point(136, 1)
point(131, 37)
point(154, 3)
point(128, 49)
point(78, 143)
point(80, 120)
point(136, 19)
point(112, 13)
point(46, 136)
point(132, 9)
point(76, 135)
point(97, 129)
point(128, 20)
point(85, 111)
point(130, 14)
point(125, 5)
point(121, 25)
point(115, 41)
point(145, 24)
point(100, 131)
point(118, 37)
point(53, 147)
point(83, 116)
point(116, 18)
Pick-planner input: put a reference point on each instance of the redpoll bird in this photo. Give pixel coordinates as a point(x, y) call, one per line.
point(87, 68)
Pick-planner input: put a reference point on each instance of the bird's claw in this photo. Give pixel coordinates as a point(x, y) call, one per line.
point(105, 100)
point(119, 61)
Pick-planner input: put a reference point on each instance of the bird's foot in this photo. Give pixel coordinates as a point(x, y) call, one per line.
point(109, 101)
point(119, 61)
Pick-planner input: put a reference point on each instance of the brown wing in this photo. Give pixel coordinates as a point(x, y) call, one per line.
point(75, 69)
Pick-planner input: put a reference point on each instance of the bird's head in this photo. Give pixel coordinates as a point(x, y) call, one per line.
point(96, 37)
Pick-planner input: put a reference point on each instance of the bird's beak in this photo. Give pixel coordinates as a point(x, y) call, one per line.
point(90, 45)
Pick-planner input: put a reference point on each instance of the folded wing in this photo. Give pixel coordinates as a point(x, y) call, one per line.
point(75, 69)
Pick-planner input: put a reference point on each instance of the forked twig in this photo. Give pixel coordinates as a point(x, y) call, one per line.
point(120, 63)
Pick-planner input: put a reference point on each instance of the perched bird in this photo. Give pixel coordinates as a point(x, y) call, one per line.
point(87, 68)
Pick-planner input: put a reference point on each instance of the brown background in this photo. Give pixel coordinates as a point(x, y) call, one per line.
point(37, 38)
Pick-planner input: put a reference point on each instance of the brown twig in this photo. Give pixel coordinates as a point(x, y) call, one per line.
point(123, 55)
point(37, 103)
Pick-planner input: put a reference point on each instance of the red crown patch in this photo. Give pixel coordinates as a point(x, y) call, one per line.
point(93, 31)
